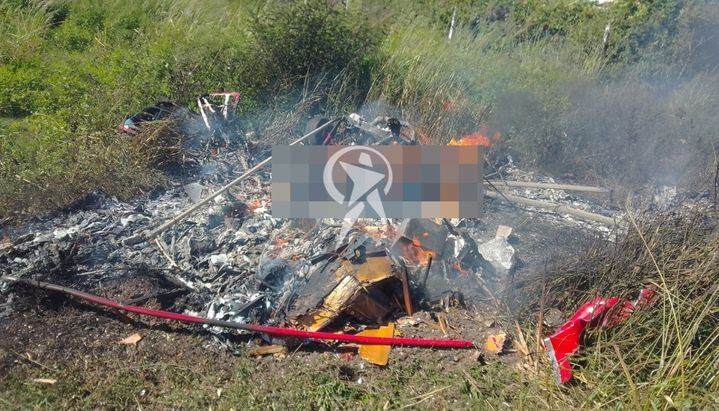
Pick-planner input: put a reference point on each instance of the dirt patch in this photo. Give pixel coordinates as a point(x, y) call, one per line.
point(51, 336)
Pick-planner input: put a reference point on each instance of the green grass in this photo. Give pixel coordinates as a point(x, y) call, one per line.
point(638, 108)
point(71, 71)
point(329, 383)
point(253, 385)
point(665, 355)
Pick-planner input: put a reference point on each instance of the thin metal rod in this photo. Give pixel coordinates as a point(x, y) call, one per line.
point(426, 272)
point(404, 278)
point(184, 214)
point(568, 187)
point(557, 208)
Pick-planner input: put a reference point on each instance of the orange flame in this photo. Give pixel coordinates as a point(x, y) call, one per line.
point(457, 266)
point(478, 138)
point(418, 254)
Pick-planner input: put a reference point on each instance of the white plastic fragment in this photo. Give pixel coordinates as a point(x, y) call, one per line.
point(499, 252)
point(219, 259)
point(194, 191)
point(132, 218)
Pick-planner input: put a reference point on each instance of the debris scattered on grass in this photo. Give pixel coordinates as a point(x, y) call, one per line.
point(48, 381)
point(261, 329)
point(499, 252)
point(496, 343)
point(268, 350)
point(131, 340)
point(243, 267)
point(377, 354)
point(594, 313)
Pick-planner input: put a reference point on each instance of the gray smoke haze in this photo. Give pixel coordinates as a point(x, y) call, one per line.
point(657, 123)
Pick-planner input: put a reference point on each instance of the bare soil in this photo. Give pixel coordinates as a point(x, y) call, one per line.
point(175, 365)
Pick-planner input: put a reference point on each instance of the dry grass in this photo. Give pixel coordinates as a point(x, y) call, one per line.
point(158, 143)
point(666, 355)
point(102, 163)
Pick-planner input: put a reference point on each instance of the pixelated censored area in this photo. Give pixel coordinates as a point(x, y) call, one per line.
point(391, 181)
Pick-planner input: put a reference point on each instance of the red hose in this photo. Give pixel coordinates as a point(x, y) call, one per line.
point(276, 331)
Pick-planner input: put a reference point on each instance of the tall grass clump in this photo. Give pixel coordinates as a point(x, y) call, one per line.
point(71, 71)
point(607, 94)
point(666, 355)
point(449, 87)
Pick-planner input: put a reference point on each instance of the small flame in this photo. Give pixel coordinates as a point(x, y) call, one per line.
point(418, 253)
point(457, 266)
point(478, 138)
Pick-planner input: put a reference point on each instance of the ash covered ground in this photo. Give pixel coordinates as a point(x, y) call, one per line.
point(232, 261)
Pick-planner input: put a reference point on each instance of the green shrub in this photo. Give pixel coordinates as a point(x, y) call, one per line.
point(311, 38)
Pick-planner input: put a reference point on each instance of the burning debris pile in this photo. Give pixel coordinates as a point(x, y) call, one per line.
point(371, 279)
point(246, 267)
point(232, 262)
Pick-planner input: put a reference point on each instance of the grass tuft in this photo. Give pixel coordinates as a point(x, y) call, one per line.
point(666, 354)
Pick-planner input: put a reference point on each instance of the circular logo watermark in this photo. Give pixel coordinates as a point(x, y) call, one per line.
point(368, 184)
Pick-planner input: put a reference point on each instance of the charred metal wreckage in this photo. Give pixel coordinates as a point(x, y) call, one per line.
point(215, 110)
point(225, 260)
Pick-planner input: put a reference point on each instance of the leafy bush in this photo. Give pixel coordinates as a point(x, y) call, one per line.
point(312, 38)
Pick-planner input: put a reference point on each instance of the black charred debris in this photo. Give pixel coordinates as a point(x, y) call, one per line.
point(249, 267)
point(233, 261)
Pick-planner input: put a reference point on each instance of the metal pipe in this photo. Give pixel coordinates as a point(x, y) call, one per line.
point(568, 187)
